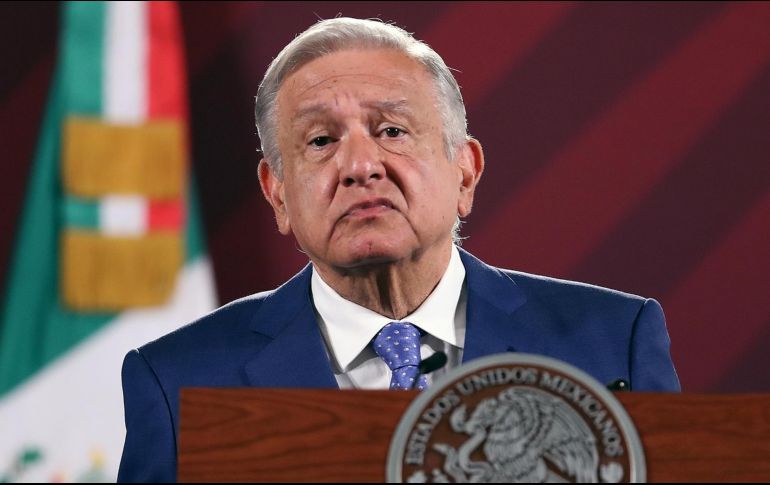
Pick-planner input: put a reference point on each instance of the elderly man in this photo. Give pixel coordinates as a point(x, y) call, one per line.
point(368, 165)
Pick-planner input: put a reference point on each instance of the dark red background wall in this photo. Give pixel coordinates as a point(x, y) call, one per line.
point(628, 145)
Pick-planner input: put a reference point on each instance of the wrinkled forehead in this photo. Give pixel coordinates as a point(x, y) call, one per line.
point(385, 77)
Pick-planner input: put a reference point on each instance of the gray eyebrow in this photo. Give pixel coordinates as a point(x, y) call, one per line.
point(399, 107)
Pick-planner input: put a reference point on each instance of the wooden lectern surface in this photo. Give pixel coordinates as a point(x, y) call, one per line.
point(322, 435)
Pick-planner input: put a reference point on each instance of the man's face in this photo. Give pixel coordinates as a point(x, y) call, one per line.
point(366, 179)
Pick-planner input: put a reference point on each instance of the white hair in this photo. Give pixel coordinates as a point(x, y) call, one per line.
point(334, 35)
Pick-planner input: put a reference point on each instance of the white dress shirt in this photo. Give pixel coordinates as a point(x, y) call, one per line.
point(349, 328)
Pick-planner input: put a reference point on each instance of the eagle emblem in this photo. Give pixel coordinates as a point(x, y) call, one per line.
point(516, 418)
point(525, 435)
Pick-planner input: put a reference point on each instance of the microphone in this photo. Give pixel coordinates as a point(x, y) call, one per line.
point(433, 363)
point(619, 385)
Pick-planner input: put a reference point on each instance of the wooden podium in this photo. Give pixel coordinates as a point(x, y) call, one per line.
point(302, 435)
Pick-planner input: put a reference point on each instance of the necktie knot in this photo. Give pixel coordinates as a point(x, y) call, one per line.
point(398, 344)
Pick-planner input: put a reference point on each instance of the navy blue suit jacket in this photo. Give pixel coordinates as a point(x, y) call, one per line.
point(272, 339)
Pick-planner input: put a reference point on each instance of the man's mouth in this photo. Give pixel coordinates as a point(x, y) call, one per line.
point(369, 208)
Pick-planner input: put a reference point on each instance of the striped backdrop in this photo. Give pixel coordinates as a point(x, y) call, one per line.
point(627, 145)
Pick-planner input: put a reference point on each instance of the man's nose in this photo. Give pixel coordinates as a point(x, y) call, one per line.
point(360, 162)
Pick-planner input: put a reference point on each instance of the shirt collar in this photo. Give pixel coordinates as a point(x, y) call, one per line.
point(348, 328)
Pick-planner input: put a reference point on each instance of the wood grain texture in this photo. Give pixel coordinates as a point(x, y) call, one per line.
point(290, 435)
point(277, 435)
point(703, 438)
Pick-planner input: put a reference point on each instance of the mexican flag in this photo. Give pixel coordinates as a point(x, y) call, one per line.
point(109, 252)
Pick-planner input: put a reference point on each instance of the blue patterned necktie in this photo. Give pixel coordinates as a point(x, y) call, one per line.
point(398, 344)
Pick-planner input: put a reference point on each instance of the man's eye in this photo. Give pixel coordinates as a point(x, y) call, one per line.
point(321, 141)
point(392, 132)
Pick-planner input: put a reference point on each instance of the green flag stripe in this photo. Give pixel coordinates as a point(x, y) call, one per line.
point(32, 279)
point(82, 57)
point(80, 213)
point(34, 328)
point(195, 245)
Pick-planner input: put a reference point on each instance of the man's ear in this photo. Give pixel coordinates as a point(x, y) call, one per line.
point(470, 161)
point(272, 188)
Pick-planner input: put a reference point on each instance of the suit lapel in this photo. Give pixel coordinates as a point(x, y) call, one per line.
point(295, 355)
point(497, 322)
point(496, 319)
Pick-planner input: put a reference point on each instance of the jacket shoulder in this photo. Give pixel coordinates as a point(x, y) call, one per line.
point(549, 287)
point(611, 334)
point(234, 317)
point(579, 313)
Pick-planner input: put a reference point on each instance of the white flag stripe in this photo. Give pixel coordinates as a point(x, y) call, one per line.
point(125, 62)
point(123, 215)
point(85, 386)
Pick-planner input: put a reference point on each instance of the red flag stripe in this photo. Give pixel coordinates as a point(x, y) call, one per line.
point(166, 87)
point(165, 215)
point(167, 93)
point(572, 204)
point(523, 25)
point(733, 277)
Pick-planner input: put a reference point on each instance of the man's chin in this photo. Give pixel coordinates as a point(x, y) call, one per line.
point(362, 257)
point(369, 260)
